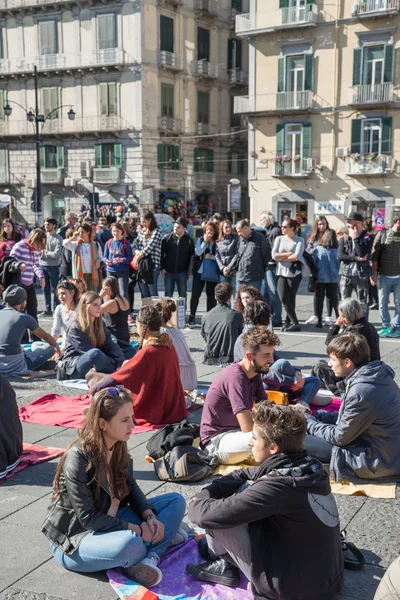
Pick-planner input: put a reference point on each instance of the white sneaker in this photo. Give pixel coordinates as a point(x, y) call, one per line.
point(146, 572)
point(312, 320)
point(181, 537)
point(328, 321)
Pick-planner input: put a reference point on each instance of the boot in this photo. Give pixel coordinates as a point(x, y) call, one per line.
point(218, 571)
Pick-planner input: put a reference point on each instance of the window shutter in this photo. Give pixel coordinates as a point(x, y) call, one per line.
point(386, 143)
point(209, 161)
point(175, 158)
point(48, 37)
point(280, 139)
point(311, 1)
point(161, 156)
point(197, 156)
point(281, 74)
point(309, 72)
point(1, 43)
point(306, 140)
point(238, 54)
point(112, 99)
point(356, 136)
point(171, 101)
point(118, 156)
point(2, 115)
point(45, 101)
point(103, 94)
point(283, 3)
point(166, 34)
point(357, 66)
point(230, 52)
point(42, 151)
point(60, 157)
point(167, 100)
point(54, 102)
point(389, 63)
point(98, 153)
point(230, 162)
point(203, 44)
point(3, 160)
point(106, 32)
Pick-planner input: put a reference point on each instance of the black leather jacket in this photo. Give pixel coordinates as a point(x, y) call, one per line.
point(348, 254)
point(76, 512)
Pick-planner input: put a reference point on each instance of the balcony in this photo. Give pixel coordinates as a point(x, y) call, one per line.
point(106, 175)
point(293, 167)
point(51, 175)
point(375, 8)
point(294, 101)
point(206, 8)
point(379, 93)
point(238, 77)
point(204, 179)
point(170, 3)
point(275, 104)
point(203, 128)
point(368, 164)
point(206, 69)
point(242, 104)
point(170, 177)
point(96, 125)
point(3, 175)
point(170, 126)
point(169, 60)
point(249, 24)
point(21, 6)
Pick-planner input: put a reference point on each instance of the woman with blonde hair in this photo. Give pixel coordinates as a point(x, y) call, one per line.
point(99, 518)
point(87, 256)
point(88, 342)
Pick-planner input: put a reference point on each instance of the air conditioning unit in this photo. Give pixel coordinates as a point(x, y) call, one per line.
point(69, 182)
point(342, 152)
point(31, 183)
point(85, 169)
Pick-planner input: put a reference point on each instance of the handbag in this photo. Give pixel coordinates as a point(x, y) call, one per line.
point(311, 284)
point(210, 271)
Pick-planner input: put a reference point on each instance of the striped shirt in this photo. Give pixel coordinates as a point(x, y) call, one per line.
point(23, 253)
point(151, 245)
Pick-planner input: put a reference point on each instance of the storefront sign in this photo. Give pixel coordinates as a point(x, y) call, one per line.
point(335, 207)
point(59, 203)
point(378, 217)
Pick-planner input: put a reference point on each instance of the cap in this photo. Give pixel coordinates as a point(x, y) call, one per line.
point(14, 295)
point(355, 216)
point(181, 221)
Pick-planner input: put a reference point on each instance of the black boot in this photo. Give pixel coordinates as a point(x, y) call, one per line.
point(218, 571)
point(204, 550)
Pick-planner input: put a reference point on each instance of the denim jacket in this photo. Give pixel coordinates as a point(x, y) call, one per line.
point(327, 263)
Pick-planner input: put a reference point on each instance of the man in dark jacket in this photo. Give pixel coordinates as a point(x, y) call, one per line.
point(354, 253)
point(177, 250)
point(273, 521)
point(254, 255)
point(271, 295)
point(221, 327)
point(70, 224)
point(362, 441)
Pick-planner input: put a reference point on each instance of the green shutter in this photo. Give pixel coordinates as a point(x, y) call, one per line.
point(283, 3)
point(197, 156)
point(98, 153)
point(209, 161)
point(42, 157)
point(175, 158)
point(166, 34)
point(281, 74)
point(311, 1)
point(60, 157)
point(47, 37)
point(203, 44)
point(386, 144)
point(230, 52)
point(118, 156)
point(306, 140)
point(161, 156)
point(389, 63)
point(357, 66)
point(2, 103)
point(280, 139)
point(309, 72)
point(356, 125)
point(103, 99)
point(106, 31)
point(112, 99)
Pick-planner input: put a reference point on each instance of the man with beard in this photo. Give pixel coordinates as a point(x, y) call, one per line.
point(226, 422)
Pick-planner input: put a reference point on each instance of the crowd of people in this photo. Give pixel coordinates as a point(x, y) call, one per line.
point(99, 518)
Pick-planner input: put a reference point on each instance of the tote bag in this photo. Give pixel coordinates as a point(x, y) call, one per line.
point(210, 271)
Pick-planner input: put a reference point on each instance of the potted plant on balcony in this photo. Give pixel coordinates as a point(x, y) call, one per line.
point(297, 158)
point(372, 157)
point(355, 157)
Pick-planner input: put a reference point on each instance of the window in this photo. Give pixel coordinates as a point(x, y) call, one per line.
point(3, 166)
point(48, 38)
point(52, 157)
point(106, 32)
point(294, 141)
point(2, 103)
point(237, 163)
point(203, 107)
point(235, 118)
point(373, 64)
point(168, 157)
point(1, 44)
point(296, 73)
point(203, 44)
point(203, 160)
point(50, 102)
point(370, 136)
point(166, 34)
point(108, 155)
point(237, 5)
point(234, 54)
point(108, 99)
point(167, 100)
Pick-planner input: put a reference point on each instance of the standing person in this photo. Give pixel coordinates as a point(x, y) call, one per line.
point(271, 296)
point(177, 250)
point(87, 256)
point(354, 253)
point(116, 312)
point(66, 258)
point(226, 254)
point(9, 236)
point(253, 255)
point(147, 248)
point(206, 249)
point(68, 295)
point(326, 260)
point(117, 257)
point(70, 222)
point(386, 264)
point(50, 264)
point(104, 230)
point(321, 225)
point(288, 252)
point(373, 301)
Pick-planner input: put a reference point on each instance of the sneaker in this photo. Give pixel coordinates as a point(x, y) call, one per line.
point(393, 333)
point(293, 327)
point(312, 320)
point(319, 325)
point(192, 320)
point(384, 332)
point(146, 572)
point(181, 537)
point(45, 313)
point(374, 306)
point(328, 321)
point(218, 571)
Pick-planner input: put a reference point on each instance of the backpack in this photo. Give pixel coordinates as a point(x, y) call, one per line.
point(170, 436)
point(111, 240)
point(185, 463)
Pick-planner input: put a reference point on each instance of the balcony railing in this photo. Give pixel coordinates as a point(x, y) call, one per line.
point(379, 93)
point(106, 175)
point(170, 125)
point(293, 168)
point(65, 126)
point(208, 7)
point(294, 100)
point(9, 5)
point(274, 103)
point(242, 104)
point(285, 18)
point(204, 179)
point(203, 128)
point(206, 69)
point(170, 60)
point(51, 175)
point(375, 7)
point(368, 164)
point(3, 175)
point(169, 176)
point(238, 77)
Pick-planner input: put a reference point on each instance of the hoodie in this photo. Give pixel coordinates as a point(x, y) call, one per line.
point(293, 525)
point(365, 435)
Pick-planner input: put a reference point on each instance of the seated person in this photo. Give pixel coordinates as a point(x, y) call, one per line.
point(281, 376)
point(274, 521)
point(64, 313)
point(13, 325)
point(116, 312)
point(351, 319)
point(220, 328)
point(245, 295)
point(362, 441)
point(88, 343)
point(389, 587)
point(95, 526)
point(80, 284)
point(187, 366)
point(10, 429)
point(226, 422)
point(152, 375)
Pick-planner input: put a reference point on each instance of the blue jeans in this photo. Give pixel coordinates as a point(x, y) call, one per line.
point(150, 290)
point(181, 281)
point(318, 448)
point(123, 282)
point(52, 276)
point(99, 551)
point(38, 355)
point(311, 384)
point(275, 301)
point(93, 358)
point(232, 281)
point(386, 286)
point(256, 284)
point(129, 352)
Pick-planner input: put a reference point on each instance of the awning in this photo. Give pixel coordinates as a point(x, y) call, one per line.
point(109, 198)
point(297, 196)
point(171, 194)
point(369, 196)
point(5, 200)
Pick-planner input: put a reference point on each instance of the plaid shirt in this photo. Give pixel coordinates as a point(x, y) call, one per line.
point(150, 246)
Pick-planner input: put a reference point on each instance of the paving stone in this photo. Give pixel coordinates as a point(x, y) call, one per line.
point(13, 499)
point(34, 433)
point(15, 594)
point(31, 516)
point(361, 585)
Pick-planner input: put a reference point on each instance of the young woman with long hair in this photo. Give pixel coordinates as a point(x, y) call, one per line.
point(87, 256)
point(99, 518)
point(68, 296)
point(226, 254)
point(117, 257)
point(206, 248)
point(246, 294)
point(148, 245)
point(320, 226)
point(88, 342)
point(116, 311)
point(9, 236)
point(326, 260)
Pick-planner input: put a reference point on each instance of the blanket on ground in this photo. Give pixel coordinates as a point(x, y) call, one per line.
point(33, 454)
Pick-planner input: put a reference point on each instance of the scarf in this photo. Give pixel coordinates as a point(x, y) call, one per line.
point(297, 465)
point(160, 340)
point(94, 256)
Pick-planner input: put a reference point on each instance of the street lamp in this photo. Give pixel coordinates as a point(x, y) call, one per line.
point(37, 118)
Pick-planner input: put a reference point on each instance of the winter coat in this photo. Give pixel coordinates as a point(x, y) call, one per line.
point(327, 263)
point(220, 328)
point(176, 253)
point(254, 256)
point(10, 273)
point(349, 253)
point(226, 253)
point(273, 230)
point(365, 433)
point(10, 429)
point(363, 327)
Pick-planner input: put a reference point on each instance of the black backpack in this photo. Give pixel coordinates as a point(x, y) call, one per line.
point(185, 463)
point(170, 436)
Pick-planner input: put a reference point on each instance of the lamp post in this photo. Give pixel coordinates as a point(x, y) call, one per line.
point(37, 118)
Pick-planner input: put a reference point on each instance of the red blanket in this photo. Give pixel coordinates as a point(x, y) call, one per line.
point(33, 454)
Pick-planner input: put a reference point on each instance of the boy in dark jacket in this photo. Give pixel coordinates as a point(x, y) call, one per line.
point(273, 521)
point(177, 250)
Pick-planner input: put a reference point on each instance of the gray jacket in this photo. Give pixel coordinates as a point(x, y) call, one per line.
point(51, 255)
point(226, 252)
point(254, 256)
point(365, 433)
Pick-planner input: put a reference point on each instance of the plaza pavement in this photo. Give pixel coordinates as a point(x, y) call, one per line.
point(28, 571)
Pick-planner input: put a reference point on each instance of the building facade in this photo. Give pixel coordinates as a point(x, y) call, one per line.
point(151, 85)
point(323, 107)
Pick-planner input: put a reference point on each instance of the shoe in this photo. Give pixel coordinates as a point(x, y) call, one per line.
point(384, 332)
point(312, 320)
point(181, 537)
point(374, 307)
point(146, 572)
point(217, 571)
point(294, 327)
point(192, 320)
point(276, 325)
point(393, 333)
point(328, 321)
point(304, 407)
point(319, 325)
point(45, 313)
point(204, 550)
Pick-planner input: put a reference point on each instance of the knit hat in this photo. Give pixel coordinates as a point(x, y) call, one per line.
point(181, 221)
point(14, 295)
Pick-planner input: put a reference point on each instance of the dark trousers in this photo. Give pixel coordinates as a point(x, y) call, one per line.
point(197, 288)
point(131, 292)
point(326, 376)
point(52, 276)
point(287, 289)
point(31, 309)
point(331, 291)
point(359, 285)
